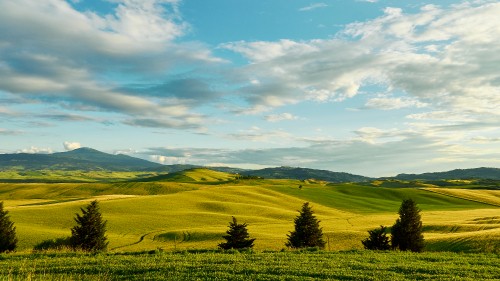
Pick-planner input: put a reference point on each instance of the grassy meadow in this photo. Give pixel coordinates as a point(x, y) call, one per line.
point(191, 210)
point(213, 265)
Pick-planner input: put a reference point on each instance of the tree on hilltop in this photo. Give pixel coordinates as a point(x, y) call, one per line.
point(237, 237)
point(89, 233)
point(8, 239)
point(307, 232)
point(407, 230)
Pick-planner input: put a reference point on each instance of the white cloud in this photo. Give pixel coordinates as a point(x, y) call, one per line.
point(71, 145)
point(313, 6)
point(34, 149)
point(40, 62)
point(444, 58)
point(281, 117)
point(389, 103)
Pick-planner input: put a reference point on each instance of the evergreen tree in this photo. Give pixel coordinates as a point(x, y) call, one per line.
point(307, 232)
point(377, 239)
point(8, 240)
point(237, 237)
point(89, 233)
point(407, 231)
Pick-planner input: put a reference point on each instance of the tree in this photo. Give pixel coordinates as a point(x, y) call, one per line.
point(89, 233)
point(8, 239)
point(237, 237)
point(377, 239)
point(307, 232)
point(407, 231)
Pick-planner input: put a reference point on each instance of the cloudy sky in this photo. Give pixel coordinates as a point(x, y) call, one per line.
point(372, 87)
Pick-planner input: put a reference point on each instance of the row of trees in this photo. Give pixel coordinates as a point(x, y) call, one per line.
point(89, 232)
point(406, 232)
point(87, 235)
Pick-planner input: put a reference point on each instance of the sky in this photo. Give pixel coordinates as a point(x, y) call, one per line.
point(370, 87)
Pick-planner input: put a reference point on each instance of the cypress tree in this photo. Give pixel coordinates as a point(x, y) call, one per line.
point(307, 232)
point(377, 239)
point(237, 237)
point(89, 233)
point(8, 239)
point(407, 230)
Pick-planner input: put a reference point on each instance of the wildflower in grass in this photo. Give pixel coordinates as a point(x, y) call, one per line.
point(307, 232)
point(377, 239)
point(89, 233)
point(407, 231)
point(237, 237)
point(8, 240)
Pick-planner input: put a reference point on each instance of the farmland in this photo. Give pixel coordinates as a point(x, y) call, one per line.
point(191, 210)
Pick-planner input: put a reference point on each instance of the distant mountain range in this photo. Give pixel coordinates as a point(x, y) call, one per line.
point(304, 174)
point(476, 173)
point(88, 159)
point(85, 159)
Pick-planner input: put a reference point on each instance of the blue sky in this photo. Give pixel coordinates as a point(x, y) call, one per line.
point(362, 86)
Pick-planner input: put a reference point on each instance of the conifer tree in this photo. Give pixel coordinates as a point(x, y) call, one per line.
point(89, 233)
point(407, 231)
point(8, 239)
point(307, 232)
point(377, 239)
point(237, 237)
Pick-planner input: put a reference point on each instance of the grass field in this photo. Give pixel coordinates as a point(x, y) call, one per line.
point(191, 214)
point(353, 265)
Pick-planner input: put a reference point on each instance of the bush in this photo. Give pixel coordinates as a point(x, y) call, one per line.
point(377, 239)
point(237, 237)
point(57, 244)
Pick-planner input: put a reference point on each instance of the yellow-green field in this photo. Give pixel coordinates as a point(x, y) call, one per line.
point(195, 214)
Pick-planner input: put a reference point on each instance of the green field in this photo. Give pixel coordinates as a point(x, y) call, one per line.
point(191, 210)
point(353, 265)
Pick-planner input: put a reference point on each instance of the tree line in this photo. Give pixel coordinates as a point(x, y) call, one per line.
point(89, 233)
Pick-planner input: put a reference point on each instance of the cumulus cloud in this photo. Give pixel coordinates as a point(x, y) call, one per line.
point(281, 117)
point(34, 149)
point(391, 52)
point(390, 103)
point(71, 145)
point(40, 61)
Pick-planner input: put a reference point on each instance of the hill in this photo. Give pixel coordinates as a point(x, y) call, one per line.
point(201, 175)
point(83, 159)
point(477, 173)
point(304, 174)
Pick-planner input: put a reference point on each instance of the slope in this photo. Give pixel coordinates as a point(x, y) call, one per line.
point(197, 217)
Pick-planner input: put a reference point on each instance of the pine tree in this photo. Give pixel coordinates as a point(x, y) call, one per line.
point(407, 231)
point(89, 233)
point(307, 232)
point(237, 237)
point(377, 239)
point(8, 240)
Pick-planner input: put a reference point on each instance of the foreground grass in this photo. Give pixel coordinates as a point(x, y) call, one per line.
point(356, 265)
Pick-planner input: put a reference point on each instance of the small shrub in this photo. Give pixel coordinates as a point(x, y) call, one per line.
point(377, 239)
point(58, 244)
point(237, 237)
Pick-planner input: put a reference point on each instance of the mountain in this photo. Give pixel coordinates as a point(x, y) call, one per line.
point(476, 173)
point(304, 174)
point(85, 159)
